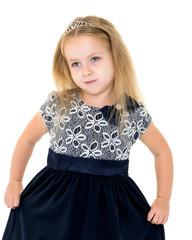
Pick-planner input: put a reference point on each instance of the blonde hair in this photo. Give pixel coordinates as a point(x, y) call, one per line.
point(125, 81)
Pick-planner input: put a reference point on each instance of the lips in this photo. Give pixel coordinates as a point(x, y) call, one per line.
point(91, 81)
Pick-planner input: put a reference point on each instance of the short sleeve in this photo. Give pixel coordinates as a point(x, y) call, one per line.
point(48, 110)
point(140, 121)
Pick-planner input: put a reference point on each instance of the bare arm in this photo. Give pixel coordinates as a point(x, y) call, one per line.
point(21, 155)
point(157, 144)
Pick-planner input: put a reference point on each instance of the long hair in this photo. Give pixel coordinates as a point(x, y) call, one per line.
point(125, 81)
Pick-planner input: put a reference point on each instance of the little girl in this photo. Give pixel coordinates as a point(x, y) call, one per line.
point(94, 118)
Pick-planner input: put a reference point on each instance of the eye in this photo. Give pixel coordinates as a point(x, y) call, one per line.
point(95, 59)
point(75, 64)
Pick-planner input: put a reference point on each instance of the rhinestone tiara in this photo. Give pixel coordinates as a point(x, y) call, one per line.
point(74, 25)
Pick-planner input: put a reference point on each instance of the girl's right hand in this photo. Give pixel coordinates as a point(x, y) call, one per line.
point(12, 193)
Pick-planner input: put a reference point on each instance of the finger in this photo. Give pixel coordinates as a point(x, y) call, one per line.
point(165, 219)
point(155, 218)
point(150, 215)
point(16, 201)
point(10, 203)
point(160, 220)
point(6, 200)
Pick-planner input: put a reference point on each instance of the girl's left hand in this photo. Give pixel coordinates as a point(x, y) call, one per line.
point(159, 211)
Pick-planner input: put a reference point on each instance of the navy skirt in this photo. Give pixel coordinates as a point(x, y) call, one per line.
point(76, 198)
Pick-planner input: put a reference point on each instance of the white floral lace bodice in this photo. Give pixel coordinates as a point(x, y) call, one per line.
point(82, 130)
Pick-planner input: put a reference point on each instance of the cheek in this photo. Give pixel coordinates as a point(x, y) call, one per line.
point(74, 75)
point(72, 72)
point(109, 73)
point(112, 70)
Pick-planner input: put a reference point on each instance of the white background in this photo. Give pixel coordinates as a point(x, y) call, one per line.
point(158, 36)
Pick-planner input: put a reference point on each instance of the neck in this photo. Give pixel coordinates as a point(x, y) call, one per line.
point(99, 100)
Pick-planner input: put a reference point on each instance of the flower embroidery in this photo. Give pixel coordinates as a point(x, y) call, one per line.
point(143, 112)
point(80, 108)
point(52, 134)
point(126, 130)
point(75, 136)
point(122, 154)
point(59, 146)
point(133, 129)
point(50, 113)
point(91, 151)
point(63, 118)
point(111, 141)
point(96, 122)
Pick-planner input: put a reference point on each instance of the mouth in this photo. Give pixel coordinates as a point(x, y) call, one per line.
point(92, 81)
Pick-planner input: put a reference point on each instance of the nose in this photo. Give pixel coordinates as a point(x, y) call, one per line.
point(86, 70)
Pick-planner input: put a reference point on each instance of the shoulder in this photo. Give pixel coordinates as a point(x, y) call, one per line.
point(53, 106)
point(53, 99)
point(131, 103)
point(52, 96)
point(138, 118)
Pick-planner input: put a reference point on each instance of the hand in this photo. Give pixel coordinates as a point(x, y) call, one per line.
point(159, 211)
point(12, 193)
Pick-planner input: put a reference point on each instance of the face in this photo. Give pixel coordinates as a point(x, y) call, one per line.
point(91, 65)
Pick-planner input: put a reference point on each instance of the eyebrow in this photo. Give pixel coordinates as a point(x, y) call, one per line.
point(76, 59)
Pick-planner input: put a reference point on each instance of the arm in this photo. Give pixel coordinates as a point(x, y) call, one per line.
point(21, 155)
point(158, 146)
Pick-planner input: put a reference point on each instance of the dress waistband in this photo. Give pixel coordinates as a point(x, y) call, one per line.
point(87, 165)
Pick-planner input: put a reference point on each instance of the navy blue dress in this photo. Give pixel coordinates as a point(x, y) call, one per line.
point(85, 192)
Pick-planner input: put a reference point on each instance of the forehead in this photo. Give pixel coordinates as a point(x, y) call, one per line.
point(82, 46)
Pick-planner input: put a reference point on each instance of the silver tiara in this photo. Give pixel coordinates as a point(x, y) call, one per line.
point(76, 24)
